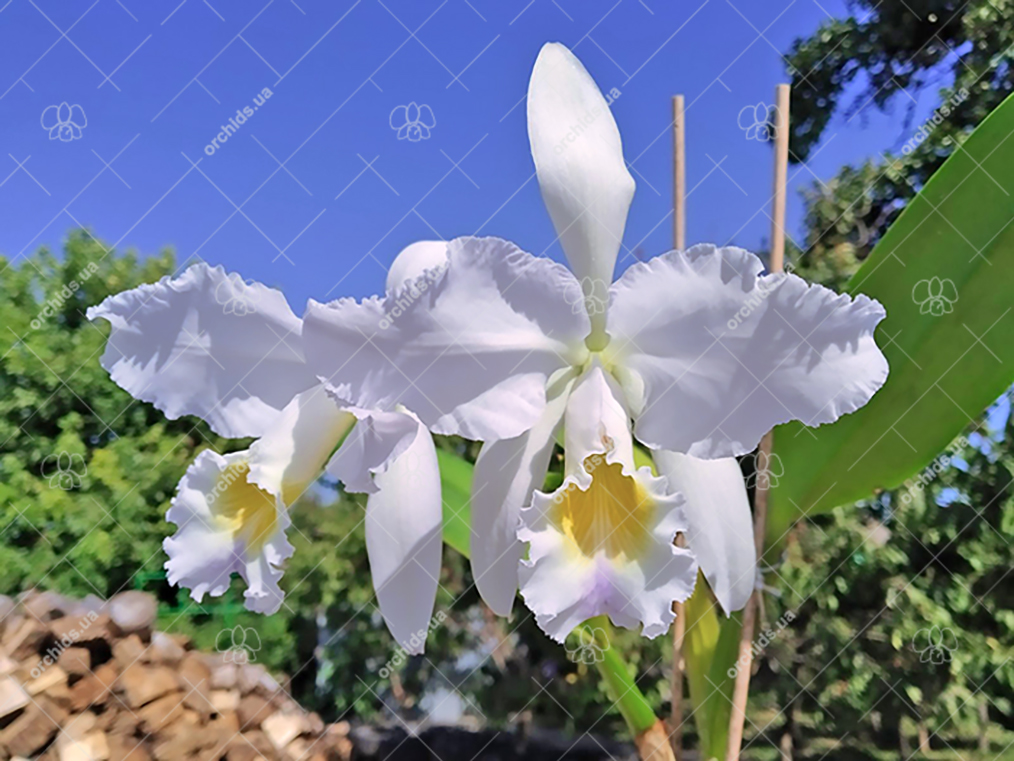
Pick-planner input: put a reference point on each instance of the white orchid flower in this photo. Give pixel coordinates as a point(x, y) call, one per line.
point(698, 349)
point(208, 344)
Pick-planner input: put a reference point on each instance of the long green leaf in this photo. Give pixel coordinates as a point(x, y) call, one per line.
point(699, 643)
point(951, 352)
point(456, 483)
point(710, 649)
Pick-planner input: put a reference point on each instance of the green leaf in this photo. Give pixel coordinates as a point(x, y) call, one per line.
point(710, 648)
point(955, 238)
point(456, 482)
point(722, 678)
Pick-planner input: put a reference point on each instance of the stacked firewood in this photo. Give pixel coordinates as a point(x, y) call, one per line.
point(87, 680)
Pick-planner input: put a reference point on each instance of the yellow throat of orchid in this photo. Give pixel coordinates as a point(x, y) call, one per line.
point(611, 516)
point(243, 509)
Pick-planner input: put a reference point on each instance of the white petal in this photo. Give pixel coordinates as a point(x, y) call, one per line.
point(597, 423)
point(227, 525)
point(603, 542)
point(404, 523)
point(378, 438)
point(713, 355)
point(719, 524)
point(506, 474)
point(469, 352)
point(206, 344)
point(414, 261)
point(292, 454)
point(579, 160)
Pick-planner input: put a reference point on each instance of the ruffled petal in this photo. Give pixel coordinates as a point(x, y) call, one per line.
point(291, 456)
point(719, 524)
point(404, 540)
point(603, 542)
point(207, 344)
point(378, 438)
point(468, 348)
point(507, 472)
point(713, 355)
point(579, 161)
point(227, 525)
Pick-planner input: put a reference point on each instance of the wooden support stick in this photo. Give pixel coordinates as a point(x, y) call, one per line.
point(679, 241)
point(744, 663)
point(679, 175)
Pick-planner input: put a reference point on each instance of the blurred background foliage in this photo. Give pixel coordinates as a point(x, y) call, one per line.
point(903, 631)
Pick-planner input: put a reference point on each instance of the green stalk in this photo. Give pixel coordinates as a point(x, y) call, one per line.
point(620, 686)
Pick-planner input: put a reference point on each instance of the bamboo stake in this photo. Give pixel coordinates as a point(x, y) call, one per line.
point(781, 173)
point(744, 663)
point(679, 240)
point(679, 198)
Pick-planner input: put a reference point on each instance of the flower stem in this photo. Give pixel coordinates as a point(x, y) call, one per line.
point(649, 733)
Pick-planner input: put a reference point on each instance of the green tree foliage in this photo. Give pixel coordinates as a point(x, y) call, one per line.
point(84, 466)
point(903, 619)
point(886, 55)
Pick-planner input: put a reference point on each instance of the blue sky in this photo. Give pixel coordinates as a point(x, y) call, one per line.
point(327, 193)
